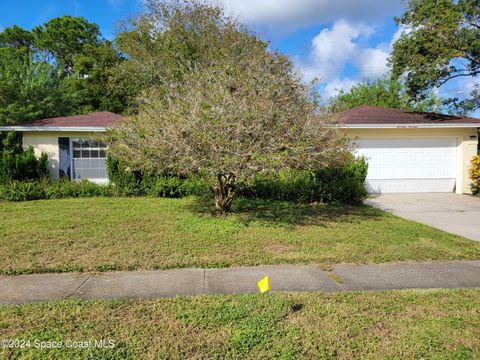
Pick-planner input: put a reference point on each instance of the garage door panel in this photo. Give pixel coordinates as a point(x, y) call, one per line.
point(432, 157)
point(432, 172)
point(410, 186)
point(387, 173)
point(402, 157)
point(418, 172)
point(402, 172)
point(409, 165)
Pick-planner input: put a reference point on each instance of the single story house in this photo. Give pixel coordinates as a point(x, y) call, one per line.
point(406, 151)
point(412, 152)
point(69, 143)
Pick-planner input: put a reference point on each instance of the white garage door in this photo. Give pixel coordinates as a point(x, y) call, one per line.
point(409, 165)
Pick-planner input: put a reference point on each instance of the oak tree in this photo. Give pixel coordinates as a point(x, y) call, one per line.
point(441, 43)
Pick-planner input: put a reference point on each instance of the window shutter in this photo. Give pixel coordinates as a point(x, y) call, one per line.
point(64, 157)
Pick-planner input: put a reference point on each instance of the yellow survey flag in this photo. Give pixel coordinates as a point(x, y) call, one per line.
point(263, 285)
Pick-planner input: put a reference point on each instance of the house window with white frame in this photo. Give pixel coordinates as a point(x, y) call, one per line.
point(89, 159)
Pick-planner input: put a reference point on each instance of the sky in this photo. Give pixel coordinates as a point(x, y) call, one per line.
point(338, 42)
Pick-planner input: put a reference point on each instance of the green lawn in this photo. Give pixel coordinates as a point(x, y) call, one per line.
point(98, 234)
point(393, 324)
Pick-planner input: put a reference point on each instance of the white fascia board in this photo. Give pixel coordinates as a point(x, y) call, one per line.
point(341, 126)
point(53, 128)
point(407, 126)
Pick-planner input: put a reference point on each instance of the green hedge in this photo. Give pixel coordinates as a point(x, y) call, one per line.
point(47, 189)
point(19, 164)
point(137, 183)
point(340, 185)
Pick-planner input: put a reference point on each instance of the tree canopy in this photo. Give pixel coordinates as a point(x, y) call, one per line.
point(384, 93)
point(65, 37)
point(162, 42)
point(16, 37)
point(28, 89)
point(59, 68)
point(441, 43)
point(226, 108)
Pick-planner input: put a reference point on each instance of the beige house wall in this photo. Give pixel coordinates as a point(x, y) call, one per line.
point(466, 139)
point(48, 142)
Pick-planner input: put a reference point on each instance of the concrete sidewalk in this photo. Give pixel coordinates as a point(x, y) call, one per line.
point(167, 283)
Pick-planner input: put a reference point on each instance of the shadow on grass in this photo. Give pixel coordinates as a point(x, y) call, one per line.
point(288, 213)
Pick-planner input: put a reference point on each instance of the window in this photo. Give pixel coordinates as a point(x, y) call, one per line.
point(89, 159)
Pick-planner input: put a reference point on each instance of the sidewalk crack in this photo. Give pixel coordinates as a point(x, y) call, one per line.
point(78, 287)
point(203, 284)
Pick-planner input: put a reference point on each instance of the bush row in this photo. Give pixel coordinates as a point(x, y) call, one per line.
point(344, 185)
point(137, 183)
point(57, 189)
point(47, 189)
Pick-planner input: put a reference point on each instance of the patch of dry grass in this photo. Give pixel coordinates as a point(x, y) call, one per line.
point(99, 234)
point(390, 324)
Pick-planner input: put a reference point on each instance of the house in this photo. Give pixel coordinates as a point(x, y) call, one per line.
point(406, 151)
point(70, 144)
point(412, 152)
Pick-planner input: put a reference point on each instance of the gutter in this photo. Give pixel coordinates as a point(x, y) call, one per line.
point(342, 126)
point(408, 126)
point(53, 128)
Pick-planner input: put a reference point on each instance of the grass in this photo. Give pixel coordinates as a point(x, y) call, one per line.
point(393, 324)
point(101, 234)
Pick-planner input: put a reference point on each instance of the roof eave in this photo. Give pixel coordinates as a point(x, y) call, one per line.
point(408, 126)
point(342, 126)
point(53, 128)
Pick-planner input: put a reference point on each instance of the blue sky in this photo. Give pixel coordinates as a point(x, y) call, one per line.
point(339, 42)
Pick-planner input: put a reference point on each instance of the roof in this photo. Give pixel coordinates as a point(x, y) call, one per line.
point(97, 121)
point(372, 117)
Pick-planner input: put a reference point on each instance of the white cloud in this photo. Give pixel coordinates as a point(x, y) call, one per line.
point(333, 48)
point(287, 15)
point(372, 63)
point(345, 43)
point(400, 31)
point(336, 85)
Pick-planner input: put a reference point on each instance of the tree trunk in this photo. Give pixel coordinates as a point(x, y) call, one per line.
point(224, 192)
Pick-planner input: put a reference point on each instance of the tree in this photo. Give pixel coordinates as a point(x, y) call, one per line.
point(162, 42)
point(442, 42)
point(240, 111)
point(89, 83)
point(29, 90)
point(16, 37)
point(65, 37)
point(384, 93)
point(71, 63)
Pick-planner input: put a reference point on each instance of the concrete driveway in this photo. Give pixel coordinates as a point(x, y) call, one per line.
point(457, 214)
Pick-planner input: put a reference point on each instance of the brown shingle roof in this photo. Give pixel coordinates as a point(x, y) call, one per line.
point(103, 119)
point(378, 115)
